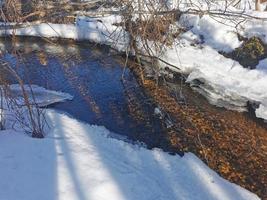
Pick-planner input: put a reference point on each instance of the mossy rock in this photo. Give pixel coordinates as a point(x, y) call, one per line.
point(249, 54)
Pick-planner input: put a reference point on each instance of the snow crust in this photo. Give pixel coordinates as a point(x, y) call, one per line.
point(81, 161)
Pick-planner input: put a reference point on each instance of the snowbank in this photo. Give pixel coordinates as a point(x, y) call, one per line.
point(221, 34)
point(81, 161)
point(216, 35)
point(224, 81)
point(99, 30)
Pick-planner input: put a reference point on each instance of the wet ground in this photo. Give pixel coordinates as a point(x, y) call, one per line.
point(233, 144)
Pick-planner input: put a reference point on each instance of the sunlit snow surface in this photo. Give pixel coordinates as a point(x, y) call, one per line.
point(100, 30)
point(81, 161)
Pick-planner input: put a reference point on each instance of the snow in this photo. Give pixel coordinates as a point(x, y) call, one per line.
point(216, 35)
point(100, 30)
point(262, 66)
point(81, 161)
point(224, 81)
point(261, 112)
point(257, 28)
point(221, 34)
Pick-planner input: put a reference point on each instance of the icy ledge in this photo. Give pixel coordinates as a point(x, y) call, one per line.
point(38, 95)
point(223, 81)
point(81, 161)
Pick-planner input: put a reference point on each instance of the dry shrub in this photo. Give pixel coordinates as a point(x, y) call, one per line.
point(26, 113)
point(20, 10)
point(156, 28)
point(37, 10)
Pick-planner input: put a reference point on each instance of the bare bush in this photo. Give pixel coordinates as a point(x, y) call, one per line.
point(20, 109)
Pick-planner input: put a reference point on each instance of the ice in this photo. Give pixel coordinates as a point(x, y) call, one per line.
point(37, 95)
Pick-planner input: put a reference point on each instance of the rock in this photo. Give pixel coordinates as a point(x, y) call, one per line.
point(249, 54)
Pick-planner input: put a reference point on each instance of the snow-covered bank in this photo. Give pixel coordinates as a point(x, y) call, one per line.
point(221, 34)
point(224, 81)
point(100, 30)
point(81, 161)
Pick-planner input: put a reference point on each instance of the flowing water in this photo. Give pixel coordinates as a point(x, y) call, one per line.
point(94, 78)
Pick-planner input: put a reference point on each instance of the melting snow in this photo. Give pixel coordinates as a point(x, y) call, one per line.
point(81, 161)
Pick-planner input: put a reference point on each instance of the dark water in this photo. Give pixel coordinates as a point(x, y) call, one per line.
point(93, 77)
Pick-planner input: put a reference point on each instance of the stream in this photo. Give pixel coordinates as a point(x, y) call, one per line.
point(94, 78)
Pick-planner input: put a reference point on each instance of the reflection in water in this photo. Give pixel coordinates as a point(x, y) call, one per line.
point(94, 79)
